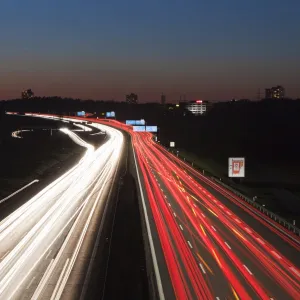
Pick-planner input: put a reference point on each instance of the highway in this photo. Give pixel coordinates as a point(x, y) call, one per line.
point(45, 244)
point(214, 249)
point(206, 244)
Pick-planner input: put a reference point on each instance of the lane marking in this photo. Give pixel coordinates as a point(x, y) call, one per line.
point(48, 253)
point(238, 220)
point(181, 227)
point(202, 268)
point(247, 269)
point(31, 281)
point(227, 245)
point(213, 228)
point(5, 255)
point(205, 264)
point(190, 244)
point(229, 213)
point(276, 254)
point(169, 204)
point(194, 204)
point(150, 238)
point(174, 215)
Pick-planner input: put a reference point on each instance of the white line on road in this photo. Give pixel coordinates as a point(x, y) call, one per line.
point(247, 269)
point(174, 215)
point(31, 281)
point(202, 268)
point(48, 253)
point(5, 255)
point(203, 215)
point(169, 204)
point(213, 228)
point(229, 213)
point(238, 221)
point(18, 191)
point(153, 254)
point(194, 204)
point(217, 298)
point(181, 227)
point(190, 244)
point(227, 245)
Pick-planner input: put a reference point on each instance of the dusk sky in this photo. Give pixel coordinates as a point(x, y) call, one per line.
point(93, 49)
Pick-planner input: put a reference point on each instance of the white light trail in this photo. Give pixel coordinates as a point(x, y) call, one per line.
point(29, 232)
point(16, 133)
point(84, 128)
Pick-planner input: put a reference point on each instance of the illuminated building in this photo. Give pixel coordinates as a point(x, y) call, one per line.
point(197, 107)
point(276, 92)
point(132, 98)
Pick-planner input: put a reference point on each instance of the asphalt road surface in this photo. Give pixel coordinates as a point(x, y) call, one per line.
point(206, 244)
point(214, 248)
point(45, 244)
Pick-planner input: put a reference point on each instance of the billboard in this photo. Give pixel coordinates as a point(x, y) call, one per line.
point(139, 128)
point(80, 114)
point(135, 122)
point(110, 114)
point(151, 128)
point(236, 167)
point(172, 144)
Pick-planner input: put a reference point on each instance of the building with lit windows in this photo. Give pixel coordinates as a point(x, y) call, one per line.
point(277, 92)
point(198, 107)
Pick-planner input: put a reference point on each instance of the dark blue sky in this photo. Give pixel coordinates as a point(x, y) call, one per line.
point(105, 49)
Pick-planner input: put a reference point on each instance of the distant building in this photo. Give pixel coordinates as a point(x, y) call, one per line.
point(163, 99)
point(27, 94)
point(197, 107)
point(277, 92)
point(132, 98)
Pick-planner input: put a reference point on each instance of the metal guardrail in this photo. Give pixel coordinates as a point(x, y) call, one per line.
point(250, 201)
point(262, 209)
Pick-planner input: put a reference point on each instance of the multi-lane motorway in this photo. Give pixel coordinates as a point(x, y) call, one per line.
point(204, 242)
point(44, 243)
point(213, 246)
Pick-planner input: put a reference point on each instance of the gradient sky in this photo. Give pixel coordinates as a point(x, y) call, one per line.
point(95, 49)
